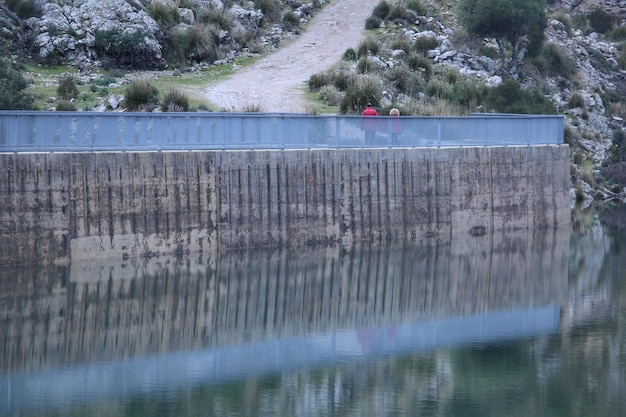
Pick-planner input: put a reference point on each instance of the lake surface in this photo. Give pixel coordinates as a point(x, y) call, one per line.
point(514, 325)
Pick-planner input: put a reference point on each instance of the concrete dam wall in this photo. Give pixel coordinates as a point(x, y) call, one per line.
point(60, 207)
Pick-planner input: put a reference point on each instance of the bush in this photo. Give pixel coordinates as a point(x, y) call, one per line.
point(602, 21)
point(330, 95)
point(22, 8)
point(576, 100)
point(13, 89)
point(366, 90)
point(467, 93)
point(373, 22)
point(423, 44)
point(342, 80)
point(317, 81)
point(291, 21)
point(420, 63)
point(195, 43)
point(217, 17)
point(416, 6)
point(564, 18)
point(617, 35)
point(399, 12)
point(65, 105)
point(175, 101)
point(381, 10)
point(553, 60)
point(123, 49)
point(271, 9)
point(363, 66)
point(369, 45)
point(350, 55)
point(403, 79)
point(509, 97)
point(67, 89)
point(141, 95)
point(165, 15)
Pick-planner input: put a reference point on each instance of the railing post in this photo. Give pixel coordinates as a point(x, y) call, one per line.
point(337, 132)
point(439, 133)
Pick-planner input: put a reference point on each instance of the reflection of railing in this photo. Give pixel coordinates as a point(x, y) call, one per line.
point(76, 131)
point(114, 380)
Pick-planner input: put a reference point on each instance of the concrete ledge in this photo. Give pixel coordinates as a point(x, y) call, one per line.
point(57, 207)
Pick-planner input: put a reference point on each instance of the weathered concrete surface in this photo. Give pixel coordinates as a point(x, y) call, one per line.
point(57, 207)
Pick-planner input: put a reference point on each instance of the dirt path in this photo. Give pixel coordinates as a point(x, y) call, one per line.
point(277, 82)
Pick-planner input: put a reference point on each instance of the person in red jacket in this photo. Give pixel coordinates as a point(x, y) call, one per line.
point(368, 124)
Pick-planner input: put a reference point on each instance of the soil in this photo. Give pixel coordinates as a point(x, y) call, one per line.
point(277, 82)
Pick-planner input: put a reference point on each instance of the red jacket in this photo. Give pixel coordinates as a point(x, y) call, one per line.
point(369, 124)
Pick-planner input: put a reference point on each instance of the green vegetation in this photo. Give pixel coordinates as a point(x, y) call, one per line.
point(508, 97)
point(602, 21)
point(13, 88)
point(141, 95)
point(67, 89)
point(512, 23)
point(175, 101)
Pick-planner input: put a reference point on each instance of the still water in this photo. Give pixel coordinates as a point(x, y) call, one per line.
point(514, 325)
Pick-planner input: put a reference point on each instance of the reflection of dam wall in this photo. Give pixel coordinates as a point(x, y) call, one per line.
point(97, 311)
point(57, 207)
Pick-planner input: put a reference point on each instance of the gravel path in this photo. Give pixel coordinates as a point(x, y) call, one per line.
point(277, 82)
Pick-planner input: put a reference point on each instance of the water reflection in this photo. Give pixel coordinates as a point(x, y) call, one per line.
point(109, 331)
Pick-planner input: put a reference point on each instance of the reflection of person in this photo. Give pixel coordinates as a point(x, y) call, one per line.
point(396, 127)
point(368, 124)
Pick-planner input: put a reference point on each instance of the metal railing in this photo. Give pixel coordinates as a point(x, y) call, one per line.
point(31, 131)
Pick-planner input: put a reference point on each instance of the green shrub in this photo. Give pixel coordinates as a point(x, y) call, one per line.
point(381, 10)
point(576, 100)
point(342, 79)
point(568, 135)
point(193, 43)
point(438, 89)
point(65, 105)
point(22, 8)
point(291, 21)
point(217, 17)
point(363, 66)
point(165, 15)
point(330, 95)
point(399, 12)
point(467, 93)
point(13, 89)
point(618, 34)
point(369, 45)
point(401, 42)
point(373, 22)
point(252, 108)
point(416, 6)
point(509, 97)
point(175, 101)
point(580, 22)
point(141, 95)
point(317, 81)
point(554, 61)
point(271, 9)
point(366, 90)
point(122, 49)
point(564, 18)
point(602, 21)
point(420, 63)
point(350, 55)
point(424, 44)
point(621, 56)
point(67, 89)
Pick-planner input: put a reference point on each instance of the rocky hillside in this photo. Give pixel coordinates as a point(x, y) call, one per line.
point(581, 72)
